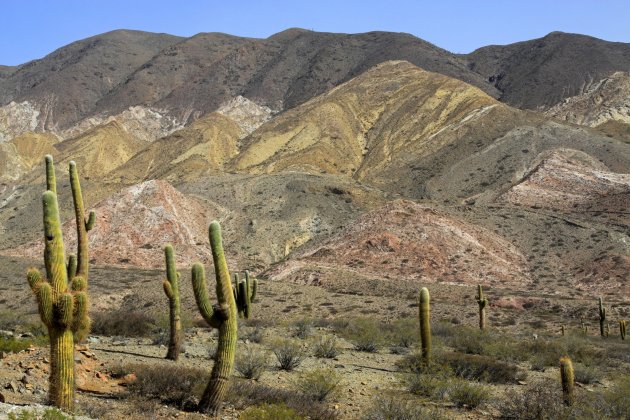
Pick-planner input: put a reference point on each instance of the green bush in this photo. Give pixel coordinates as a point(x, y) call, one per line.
point(244, 394)
point(13, 345)
point(48, 414)
point(397, 409)
point(171, 384)
point(537, 401)
point(326, 347)
point(467, 394)
point(482, 368)
point(365, 333)
point(319, 384)
point(428, 385)
point(251, 363)
point(270, 412)
point(123, 322)
point(404, 333)
point(289, 353)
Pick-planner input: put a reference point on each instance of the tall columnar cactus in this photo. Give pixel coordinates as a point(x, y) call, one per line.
point(425, 324)
point(568, 380)
point(244, 294)
point(622, 328)
point(222, 316)
point(171, 288)
point(79, 266)
point(602, 317)
point(62, 300)
point(483, 302)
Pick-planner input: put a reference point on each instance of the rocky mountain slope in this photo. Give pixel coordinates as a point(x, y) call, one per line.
point(183, 78)
point(539, 73)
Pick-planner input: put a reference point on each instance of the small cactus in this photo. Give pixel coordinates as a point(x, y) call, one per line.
point(62, 298)
point(568, 380)
point(425, 324)
point(622, 328)
point(483, 302)
point(602, 317)
point(222, 316)
point(562, 330)
point(171, 289)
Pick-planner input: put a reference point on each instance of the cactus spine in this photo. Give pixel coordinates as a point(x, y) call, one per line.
point(425, 324)
point(622, 329)
point(171, 288)
point(602, 317)
point(483, 302)
point(568, 380)
point(62, 299)
point(222, 316)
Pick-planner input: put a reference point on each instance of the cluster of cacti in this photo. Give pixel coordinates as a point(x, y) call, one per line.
point(483, 302)
point(222, 316)
point(425, 324)
point(171, 288)
point(244, 294)
point(568, 380)
point(622, 328)
point(602, 317)
point(62, 297)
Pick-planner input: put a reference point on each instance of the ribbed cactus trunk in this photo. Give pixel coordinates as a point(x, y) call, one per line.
point(84, 225)
point(602, 318)
point(483, 302)
point(62, 300)
point(62, 381)
point(568, 380)
point(622, 329)
point(222, 316)
point(425, 324)
point(171, 288)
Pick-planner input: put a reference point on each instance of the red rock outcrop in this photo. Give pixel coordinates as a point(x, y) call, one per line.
point(403, 240)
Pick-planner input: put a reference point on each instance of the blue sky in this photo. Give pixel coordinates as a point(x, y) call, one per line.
point(32, 29)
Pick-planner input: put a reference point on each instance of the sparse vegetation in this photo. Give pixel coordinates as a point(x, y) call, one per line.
point(326, 347)
point(251, 363)
point(289, 353)
point(319, 384)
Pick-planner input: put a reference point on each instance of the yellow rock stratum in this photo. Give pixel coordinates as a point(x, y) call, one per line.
point(202, 147)
point(359, 127)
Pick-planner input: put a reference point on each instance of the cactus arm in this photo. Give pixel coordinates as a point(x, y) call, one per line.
point(54, 257)
point(51, 180)
point(90, 221)
point(568, 380)
point(254, 290)
point(34, 278)
point(71, 267)
point(44, 296)
point(64, 310)
point(79, 212)
point(425, 324)
point(78, 284)
point(167, 289)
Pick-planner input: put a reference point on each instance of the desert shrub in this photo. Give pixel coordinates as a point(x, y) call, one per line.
point(428, 385)
point(403, 333)
point(536, 401)
point(270, 412)
point(586, 374)
point(251, 363)
point(14, 345)
point(303, 328)
point(289, 353)
point(365, 334)
point(254, 335)
point(319, 384)
point(171, 384)
point(123, 322)
point(396, 409)
point(246, 393)
point(34, 414)
point(326, 347)
point(613, 402)
point(467, 394)
point(482, 368)
point(469, 340)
